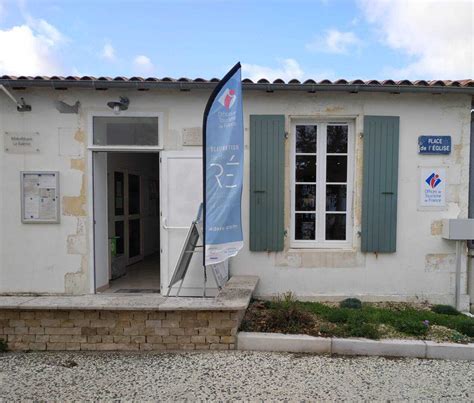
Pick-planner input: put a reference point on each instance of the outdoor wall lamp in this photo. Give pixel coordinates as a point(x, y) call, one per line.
point(118, 106)
point(21, 105)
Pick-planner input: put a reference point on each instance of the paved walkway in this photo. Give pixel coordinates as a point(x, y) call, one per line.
point(144, 275)
point(236, 375)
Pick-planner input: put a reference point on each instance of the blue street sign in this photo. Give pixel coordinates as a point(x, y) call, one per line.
point(434, 144)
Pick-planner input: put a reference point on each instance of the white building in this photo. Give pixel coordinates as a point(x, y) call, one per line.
point(323, 216)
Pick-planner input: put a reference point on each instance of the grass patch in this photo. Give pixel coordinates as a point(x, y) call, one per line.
point(349, 319)
point(411, 327)
point(337, 316)
point(359, 328)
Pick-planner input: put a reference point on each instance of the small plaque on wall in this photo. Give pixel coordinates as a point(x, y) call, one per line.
point(39, 197)
point(22, 143)
point(192, 136)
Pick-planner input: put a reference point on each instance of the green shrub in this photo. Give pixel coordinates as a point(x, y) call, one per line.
point(3, 346)
point(337, 316)
point(351, 303)
point(445, 310)
point(412, 327)
point(366, 330)
point(326, 331)
point(466, 327)
point(357, 326)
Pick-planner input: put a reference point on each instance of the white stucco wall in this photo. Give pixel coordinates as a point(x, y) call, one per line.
point(54, 258)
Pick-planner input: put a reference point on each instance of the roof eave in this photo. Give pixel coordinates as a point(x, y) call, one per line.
point(148, 85)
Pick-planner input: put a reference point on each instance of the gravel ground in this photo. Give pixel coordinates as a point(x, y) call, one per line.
point(229, 375)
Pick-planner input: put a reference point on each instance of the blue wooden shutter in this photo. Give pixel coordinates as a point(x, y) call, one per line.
point(380, 184)
point(267, 181)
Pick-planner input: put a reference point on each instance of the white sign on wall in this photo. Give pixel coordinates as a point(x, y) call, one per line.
point(21, 143)
point(39, 197)
point(433, 187)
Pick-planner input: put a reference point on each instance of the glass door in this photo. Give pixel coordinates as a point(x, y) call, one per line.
point(135, 250)
point(119, 212)
point(127, 216)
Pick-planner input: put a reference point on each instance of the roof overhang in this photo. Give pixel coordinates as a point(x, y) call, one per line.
point(389, 86)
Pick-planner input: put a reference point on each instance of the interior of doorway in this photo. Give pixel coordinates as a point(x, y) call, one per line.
point(131, 227)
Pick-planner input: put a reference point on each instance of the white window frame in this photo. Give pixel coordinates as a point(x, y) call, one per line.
point(125, 114)
point(320, 242)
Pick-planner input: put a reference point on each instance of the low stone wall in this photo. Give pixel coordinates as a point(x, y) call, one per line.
point(123, 330)
point(127, 322)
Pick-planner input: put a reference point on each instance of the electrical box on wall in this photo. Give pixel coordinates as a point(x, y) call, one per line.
point(458, 229)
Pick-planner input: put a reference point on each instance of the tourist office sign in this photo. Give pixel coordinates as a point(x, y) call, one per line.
point(432, 187)
point(223, 156)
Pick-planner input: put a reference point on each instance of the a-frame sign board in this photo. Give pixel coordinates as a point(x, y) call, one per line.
point(220, 271)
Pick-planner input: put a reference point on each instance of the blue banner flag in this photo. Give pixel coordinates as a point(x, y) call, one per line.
point(223, 158)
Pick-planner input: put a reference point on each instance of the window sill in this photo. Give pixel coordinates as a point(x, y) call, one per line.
point(321, 246)
point(323, 249)
point(343, 257)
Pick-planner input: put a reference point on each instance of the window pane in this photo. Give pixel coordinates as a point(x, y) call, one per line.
point(118, 179)
point(337, 139)
point(119, 234)
point(305, 226)
point(133, 194)
point(306, 139)
point(305, 198)
point(336, 169)
point(335, 227)
point(336, 197)
point(134, 237)
point(305, 168)
point(115, 131)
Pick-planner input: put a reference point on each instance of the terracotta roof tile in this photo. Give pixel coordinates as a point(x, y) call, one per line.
point(370, 84)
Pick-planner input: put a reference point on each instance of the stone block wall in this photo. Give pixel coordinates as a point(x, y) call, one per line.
point(119, 330)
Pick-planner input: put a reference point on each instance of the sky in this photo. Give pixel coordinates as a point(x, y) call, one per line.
point(318, 39)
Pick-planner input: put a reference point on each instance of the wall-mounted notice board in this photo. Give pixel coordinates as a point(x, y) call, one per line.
point(40, 197)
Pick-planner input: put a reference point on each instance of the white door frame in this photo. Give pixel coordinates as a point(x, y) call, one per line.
point(91, 148)
point(101, 244)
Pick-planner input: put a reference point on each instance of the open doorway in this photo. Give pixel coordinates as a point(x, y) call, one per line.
point(127, 222)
